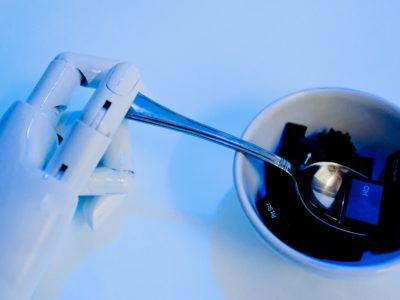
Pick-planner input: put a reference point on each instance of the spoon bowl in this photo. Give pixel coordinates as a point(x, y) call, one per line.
point(320, 185)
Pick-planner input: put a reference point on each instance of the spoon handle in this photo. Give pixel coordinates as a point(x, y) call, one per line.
point(146, 110)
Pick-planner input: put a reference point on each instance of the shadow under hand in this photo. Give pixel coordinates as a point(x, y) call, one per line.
point(201, 170)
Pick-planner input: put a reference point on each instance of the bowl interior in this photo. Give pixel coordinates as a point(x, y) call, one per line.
point(373, 124)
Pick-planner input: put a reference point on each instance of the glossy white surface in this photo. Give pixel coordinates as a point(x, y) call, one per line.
point(182, 234)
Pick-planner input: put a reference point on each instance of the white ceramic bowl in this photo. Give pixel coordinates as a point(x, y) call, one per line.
point(374, 125)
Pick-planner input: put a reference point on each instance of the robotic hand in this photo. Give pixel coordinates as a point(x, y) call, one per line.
point(47, 162)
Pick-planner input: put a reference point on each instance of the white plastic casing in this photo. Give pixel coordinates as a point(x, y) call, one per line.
point(40, 180)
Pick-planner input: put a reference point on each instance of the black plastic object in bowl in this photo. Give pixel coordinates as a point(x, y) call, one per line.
point(362, 205)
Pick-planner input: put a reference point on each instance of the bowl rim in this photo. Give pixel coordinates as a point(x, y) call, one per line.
point(267, 236)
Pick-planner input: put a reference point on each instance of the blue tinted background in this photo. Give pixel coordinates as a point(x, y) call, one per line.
point(183, 234)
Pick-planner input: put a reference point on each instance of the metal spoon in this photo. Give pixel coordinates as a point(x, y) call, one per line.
point(317, 184)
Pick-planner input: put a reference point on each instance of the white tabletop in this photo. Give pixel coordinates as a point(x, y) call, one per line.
point(182, 234)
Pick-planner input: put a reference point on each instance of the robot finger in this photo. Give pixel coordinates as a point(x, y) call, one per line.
point(111, 181)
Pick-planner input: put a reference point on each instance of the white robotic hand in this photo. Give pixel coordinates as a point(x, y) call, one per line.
point(42, 173)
